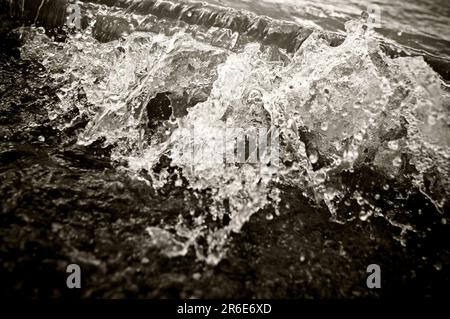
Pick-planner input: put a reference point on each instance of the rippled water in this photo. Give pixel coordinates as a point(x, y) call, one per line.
point(421, 24)
point(360, 129)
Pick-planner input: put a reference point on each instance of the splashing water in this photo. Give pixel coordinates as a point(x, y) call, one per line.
point(159, 99)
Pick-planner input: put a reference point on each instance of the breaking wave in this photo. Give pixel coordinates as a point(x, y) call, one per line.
point(154, 86)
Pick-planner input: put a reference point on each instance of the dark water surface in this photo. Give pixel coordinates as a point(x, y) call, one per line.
point(421, 24)
point(86, 174)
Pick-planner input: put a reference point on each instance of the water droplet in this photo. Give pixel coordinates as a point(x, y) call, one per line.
point(255, 96)
point(386, 187)
point(172, 120)
point(360, 201)
point(324, 126)
point(52, 115)
point(178, 182)
point(431, 119)
point(41, 138)
point(313, 157)
point(397, 161)
point(393, 145)
point(363, 215)
point(269, 216)
point(357, 105)
point(302, 258)
point(377, 196)
point(321, 177)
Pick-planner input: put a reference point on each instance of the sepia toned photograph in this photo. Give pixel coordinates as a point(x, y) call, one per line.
point(239, 150)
